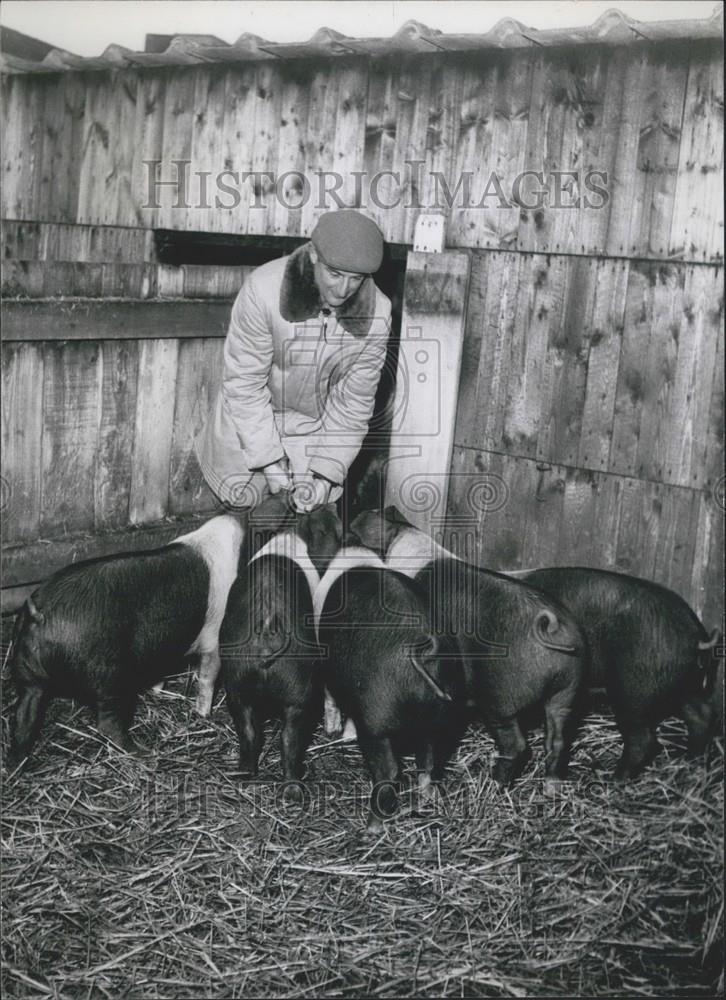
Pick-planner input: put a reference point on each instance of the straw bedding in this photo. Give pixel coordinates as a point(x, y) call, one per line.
point(167, 876)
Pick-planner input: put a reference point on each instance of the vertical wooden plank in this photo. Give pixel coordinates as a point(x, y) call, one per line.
point(198, 377)
point(695, 327)
point(543, 493)
point(659, 371)
point(472, 225)
point(471, 403)
point(149, 497)
point(606, 518)
point(22, 423)
point(412, 101)
point(626, 183)
point(350, 129)
point(32, 139)
point(527, 397)
point(658, 155)
point(96, 153)
point(713, 459)
point(292, 190)
point(112, 474)
point(429, 361)
point(707, 591)
point(148, 138)
point(71, 400)
point(579, 537)
point(264, 150)
point(380, 143)
point(629, 394)
point(697, 218)
point(237, 142)
point(178, 130)
point(599, 123)
point(610, 285)
point(498, 223)
point(319, 142)
point(442, 131)
point(567, 307)
point(676, 544)
point(14, 148)
point(639, 528)
point(206, 155)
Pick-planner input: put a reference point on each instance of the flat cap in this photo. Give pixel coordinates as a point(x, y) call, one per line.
point(348, 241)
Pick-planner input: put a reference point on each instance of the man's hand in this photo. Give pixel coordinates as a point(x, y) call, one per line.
point(309, 493)
point(277, 476)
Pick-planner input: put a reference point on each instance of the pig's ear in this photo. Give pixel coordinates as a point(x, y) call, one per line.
point(394, 516)
point(35, 616)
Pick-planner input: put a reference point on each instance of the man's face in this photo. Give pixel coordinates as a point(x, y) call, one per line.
point(335, 286)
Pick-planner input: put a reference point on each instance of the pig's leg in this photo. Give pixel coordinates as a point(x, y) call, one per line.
point(383, 766)
point(115, 713)
point(425, 765)
point(557, 713)
point(512, 750)
point(333, 721)
point(250, 732)
point(297, 731)
point(207, 673)
point(641, 747)
point(697, 714)
point(29, 712)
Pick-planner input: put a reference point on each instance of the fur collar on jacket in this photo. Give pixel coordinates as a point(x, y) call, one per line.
point(300, 299)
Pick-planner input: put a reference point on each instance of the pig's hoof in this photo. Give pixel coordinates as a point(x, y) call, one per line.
point(203, 706)
point(374, 827)
point(384, 800)
point(506, 771)
point(293, 793)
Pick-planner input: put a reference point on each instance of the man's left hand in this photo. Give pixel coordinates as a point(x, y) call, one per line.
point(309, 493)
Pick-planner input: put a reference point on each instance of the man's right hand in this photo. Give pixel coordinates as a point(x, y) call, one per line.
point(277, 476)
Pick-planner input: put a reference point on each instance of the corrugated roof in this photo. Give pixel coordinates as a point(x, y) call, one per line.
point(611, 28)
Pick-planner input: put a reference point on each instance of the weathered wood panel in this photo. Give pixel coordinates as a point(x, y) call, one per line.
point(113, 472)
point(518, 515)
point(603, 365)
point(22, 425)
point(648, 117)
point(149, 496)
point(71, 401)
point(198, 376)
point(120, 320)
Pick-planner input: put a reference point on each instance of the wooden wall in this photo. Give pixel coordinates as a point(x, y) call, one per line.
point(103, 391)
point(651, 115)
point(590, 418)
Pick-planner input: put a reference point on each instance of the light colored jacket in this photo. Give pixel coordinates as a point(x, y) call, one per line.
point(295, 382)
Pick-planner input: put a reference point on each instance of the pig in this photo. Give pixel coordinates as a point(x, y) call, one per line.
point(103, 630)
point(401, 685)
point(648, 650)
point(270, 658)
point(519, 647)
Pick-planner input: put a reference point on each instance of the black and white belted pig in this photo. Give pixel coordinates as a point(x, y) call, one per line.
point(401, 685)
point(648, 650)
point(519, 647)
point(270, 658)
point(103, 630)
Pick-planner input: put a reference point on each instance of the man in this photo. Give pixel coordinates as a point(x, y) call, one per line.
point(302, 360)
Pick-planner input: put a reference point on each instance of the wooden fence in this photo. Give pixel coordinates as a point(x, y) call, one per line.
point(648, 115)
point(590, 415)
